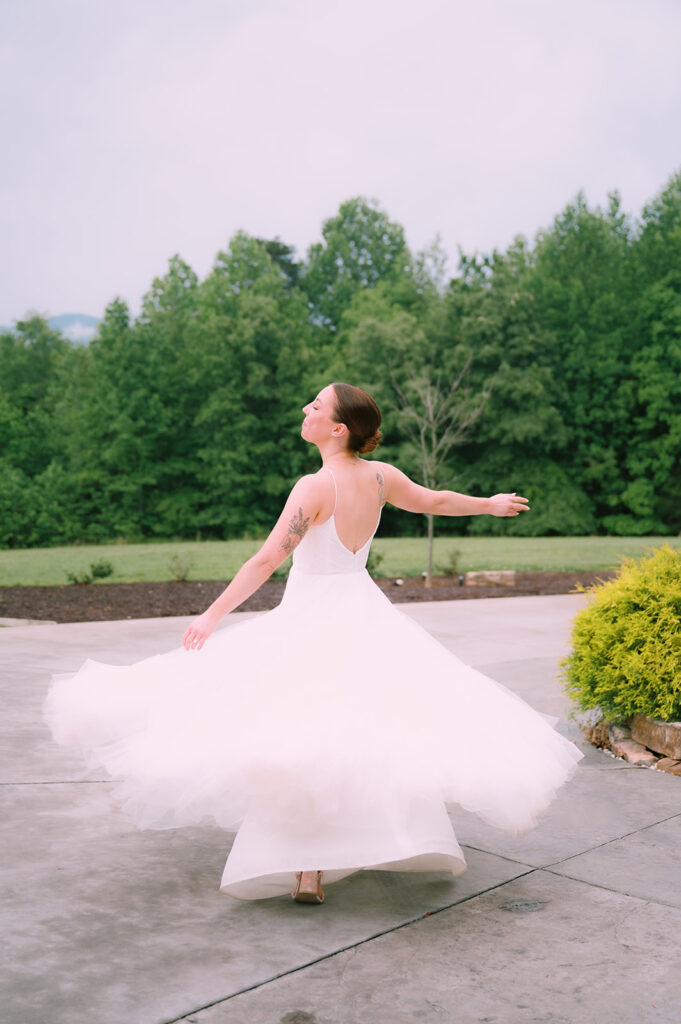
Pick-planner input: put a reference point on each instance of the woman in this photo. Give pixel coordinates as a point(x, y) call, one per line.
point(333, 731)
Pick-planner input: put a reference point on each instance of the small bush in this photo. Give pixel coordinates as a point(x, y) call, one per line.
point(79, 577)
point(373, 562)
point(451, 566)
point(101, 570)
point(626, 655)
point(98, 571)
point(180, 567)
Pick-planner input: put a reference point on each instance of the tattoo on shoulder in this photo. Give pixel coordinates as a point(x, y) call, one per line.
point(297, 529)
point(381, 488)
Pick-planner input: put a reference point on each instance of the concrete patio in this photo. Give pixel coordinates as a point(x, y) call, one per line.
point(577, 922)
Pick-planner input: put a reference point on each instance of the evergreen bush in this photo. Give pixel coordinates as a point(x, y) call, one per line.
point(626, 654)
point(373, 563)
point(452, 566)
point(99, 570)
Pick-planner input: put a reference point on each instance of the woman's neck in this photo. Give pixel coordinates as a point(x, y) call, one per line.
point(333, 451)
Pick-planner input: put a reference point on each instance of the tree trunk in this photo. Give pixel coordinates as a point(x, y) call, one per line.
point(429, 563)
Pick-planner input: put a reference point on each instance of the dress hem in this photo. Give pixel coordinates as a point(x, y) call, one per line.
point(281, 883)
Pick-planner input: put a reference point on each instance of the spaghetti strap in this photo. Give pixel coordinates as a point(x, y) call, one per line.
point(335, 487)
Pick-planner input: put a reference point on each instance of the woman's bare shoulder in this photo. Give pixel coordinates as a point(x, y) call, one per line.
point(379, 466)
point(316, 488)
point(399, 490)
point(386, 470)
point(386, 475)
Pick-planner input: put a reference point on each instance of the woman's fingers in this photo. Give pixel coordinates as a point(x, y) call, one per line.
point(192, 640)
point(509, 505)
point(198, 631)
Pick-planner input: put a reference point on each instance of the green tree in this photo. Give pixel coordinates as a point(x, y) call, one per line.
point(584, 289)
point(520, 442)
point(420, 374)
point(652, 495)
point(168, 330)
point(17, 507)
point(658, 246)
point(106, 449)
point(28, 359)
point(135, 454)
point(251, 356)
point(283, 256)
point(361, 247)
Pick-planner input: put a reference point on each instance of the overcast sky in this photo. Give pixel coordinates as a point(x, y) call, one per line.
point(136, 129)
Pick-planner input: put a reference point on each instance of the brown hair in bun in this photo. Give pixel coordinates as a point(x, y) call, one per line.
point(360, 414)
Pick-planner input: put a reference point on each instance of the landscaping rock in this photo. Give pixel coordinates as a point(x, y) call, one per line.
point(633, 752)
point(616, 733)
point(623, 742)
point(502, 578)
point(663, 737)
point(598, 734)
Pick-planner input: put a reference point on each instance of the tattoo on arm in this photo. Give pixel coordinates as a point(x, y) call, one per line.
point(297, 529)
point(381, 489)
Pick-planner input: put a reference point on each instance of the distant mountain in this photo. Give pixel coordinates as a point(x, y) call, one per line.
point(79, 327)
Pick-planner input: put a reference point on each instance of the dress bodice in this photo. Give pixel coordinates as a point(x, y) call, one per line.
point(321, 551)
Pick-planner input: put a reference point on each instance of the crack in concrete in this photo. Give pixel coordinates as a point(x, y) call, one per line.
point(622, 923)
point(353, 946)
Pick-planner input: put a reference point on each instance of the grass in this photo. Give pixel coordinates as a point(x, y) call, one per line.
point(401, 556)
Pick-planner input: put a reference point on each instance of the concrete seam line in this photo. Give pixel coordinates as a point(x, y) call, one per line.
point(63, 782)
point(616, 839)
point(502, 856)
point(617, 892)
point(345, 949)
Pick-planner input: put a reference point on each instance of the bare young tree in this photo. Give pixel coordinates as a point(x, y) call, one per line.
point(422, 378)
point(436, 414)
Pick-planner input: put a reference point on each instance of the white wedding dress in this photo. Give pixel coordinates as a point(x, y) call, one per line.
point(330, 732)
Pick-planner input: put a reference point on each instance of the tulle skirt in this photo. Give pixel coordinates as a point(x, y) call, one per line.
point(331, 733)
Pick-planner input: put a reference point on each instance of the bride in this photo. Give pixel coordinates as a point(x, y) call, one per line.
point(332, 732)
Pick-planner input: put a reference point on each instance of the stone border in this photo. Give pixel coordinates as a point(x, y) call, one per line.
point(485, 577)
point(641, 741)
point(27, 622)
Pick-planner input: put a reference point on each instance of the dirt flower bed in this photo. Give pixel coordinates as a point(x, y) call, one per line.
point(104, 601)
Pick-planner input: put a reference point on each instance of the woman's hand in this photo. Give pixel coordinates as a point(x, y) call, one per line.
point(507, 505)
point(200, 629)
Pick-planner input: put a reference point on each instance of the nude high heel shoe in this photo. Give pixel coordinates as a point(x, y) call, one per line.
point(308, 887)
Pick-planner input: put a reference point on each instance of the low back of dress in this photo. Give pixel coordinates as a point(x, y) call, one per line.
point(321, 551)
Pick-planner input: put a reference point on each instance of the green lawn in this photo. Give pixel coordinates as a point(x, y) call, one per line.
point(403, 556)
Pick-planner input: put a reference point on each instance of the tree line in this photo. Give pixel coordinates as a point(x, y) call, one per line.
point(552, 369)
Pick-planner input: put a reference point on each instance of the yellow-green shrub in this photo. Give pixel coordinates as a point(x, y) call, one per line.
point(626, 654)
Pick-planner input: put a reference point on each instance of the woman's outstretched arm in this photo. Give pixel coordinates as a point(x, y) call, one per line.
point(300, 511)
point(404, 493)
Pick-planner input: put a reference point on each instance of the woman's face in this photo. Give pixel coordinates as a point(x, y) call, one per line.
point(320, 421)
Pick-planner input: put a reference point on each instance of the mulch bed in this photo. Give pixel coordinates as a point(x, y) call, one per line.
point(104, 601)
